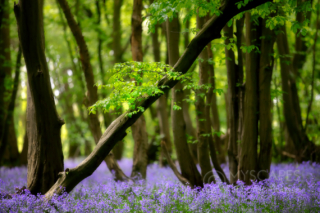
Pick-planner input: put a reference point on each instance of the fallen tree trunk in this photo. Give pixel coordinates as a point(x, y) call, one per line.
point(117, 130)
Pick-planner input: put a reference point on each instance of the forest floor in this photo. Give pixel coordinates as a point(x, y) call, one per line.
point(291, 188)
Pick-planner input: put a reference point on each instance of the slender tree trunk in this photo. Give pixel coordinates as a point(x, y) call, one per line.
point(116, 31)
point(139, 131)
point(162, 112)
point(248, 152)
point(5, 73)
point(45, 157)
point(99, 48)
point(233, 100)
point(118, 52)
point(190, 130)
point(299, 58)
point(265, 77)
point(92, 94)
point(314, 50)
point(303, 145)
point(213, 140)
point(187, 166)
point(9, 137)
point(201, 113)
point(212, 104)
point(163, 117)
point(77, 77)
point(73, 126)
point(107, 117)
point(240, 88)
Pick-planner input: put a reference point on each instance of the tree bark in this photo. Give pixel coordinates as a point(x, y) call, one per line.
point(139, 131)
point(161, 106)
point(118, 51)
point(190, 130)
point(45, 157)
point(233, 99)
point(187, 166)
point(213, 140)
point(248, 152)
point(265, 77)
point(201, 112)
point(116, 31)
point(116, 131)
point(213, 105)
point(92, 94)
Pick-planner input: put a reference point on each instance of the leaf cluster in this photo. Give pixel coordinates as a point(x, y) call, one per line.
point(132, 82)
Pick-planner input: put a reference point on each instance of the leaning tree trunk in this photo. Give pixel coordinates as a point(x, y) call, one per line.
point(248, 152)
point(187, 165)
point(45, 158)
point(265, 77)
point(92, 94)
point(139, 131)
point(117, 129)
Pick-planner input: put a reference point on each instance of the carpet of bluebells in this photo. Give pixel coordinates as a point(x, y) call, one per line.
point(291, 188)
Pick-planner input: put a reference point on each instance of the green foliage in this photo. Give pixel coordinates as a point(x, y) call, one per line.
point(132, 82)
point(276, 93)
point(191, 139)
point(162, 10)
point(176, 107)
